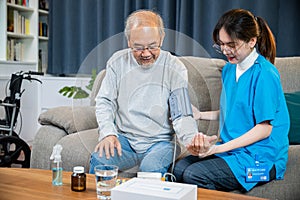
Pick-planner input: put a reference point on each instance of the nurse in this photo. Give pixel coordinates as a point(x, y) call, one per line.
point(254, 120)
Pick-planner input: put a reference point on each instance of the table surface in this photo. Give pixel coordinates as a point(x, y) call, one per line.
point(21, 183)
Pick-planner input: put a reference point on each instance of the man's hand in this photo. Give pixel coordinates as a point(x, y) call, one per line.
point(109, 144)
point(212, 150)
point(202, 145)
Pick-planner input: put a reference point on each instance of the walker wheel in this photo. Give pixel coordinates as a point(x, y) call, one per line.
point(11, 147)
point(6, 133)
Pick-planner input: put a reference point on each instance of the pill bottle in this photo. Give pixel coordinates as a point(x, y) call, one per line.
point(78, 179)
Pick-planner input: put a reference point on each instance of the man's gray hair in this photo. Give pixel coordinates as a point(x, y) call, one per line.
point(143, 18)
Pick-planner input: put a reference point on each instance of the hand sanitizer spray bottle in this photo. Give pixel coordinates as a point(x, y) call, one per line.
point(56, 165)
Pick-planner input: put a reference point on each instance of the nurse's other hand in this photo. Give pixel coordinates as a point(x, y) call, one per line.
point(196, 113)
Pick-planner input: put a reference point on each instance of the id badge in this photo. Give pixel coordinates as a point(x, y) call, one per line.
point(257, 173)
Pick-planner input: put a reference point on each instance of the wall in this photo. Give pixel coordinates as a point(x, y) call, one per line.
point(38, 98)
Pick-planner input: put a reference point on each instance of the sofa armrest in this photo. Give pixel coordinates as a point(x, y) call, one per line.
point(70, 119)
point(42, 146)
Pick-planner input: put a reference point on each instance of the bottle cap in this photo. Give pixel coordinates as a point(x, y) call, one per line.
point(78, 169)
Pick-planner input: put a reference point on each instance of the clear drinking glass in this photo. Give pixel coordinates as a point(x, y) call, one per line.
point(106, 177)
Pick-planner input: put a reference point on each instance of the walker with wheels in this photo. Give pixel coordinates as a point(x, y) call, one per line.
point(11, 145)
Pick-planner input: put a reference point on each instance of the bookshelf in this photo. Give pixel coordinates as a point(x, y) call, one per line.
point(18, 36)
point(20, 31)
point(43, 34)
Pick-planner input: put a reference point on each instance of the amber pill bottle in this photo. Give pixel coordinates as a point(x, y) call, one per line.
point(78, 179)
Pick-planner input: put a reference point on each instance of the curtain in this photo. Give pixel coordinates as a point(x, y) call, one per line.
point(85, 33)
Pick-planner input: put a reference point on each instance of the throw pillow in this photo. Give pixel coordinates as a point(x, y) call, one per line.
point(293, 104)
point(71, 119)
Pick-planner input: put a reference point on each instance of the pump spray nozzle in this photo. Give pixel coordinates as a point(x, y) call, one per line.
point(56, 153)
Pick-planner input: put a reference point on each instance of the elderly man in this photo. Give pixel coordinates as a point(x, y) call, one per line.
point(143, 101)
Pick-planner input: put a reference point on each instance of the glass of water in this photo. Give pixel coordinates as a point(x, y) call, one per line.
point(106, 177)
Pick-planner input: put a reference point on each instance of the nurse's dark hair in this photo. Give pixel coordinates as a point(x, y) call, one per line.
point(243, 25)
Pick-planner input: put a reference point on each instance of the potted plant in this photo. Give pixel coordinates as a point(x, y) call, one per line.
point(77, 92)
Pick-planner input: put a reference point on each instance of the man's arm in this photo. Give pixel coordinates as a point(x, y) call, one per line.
point(183, 122)
point(105, 114)
point(106, 105)
point(185, 128)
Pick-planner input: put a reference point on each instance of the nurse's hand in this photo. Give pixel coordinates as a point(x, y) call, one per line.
point(201, 144)
point(196, 113)
point(211, 151)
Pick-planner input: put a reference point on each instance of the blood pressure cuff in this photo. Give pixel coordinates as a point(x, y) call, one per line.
point(180, 105)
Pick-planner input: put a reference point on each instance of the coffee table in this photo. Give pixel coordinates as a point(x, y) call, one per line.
point(35, 184)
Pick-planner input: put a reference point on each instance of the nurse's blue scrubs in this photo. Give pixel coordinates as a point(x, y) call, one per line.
point(256, 97)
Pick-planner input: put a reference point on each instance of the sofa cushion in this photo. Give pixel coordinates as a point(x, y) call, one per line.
point(96, 87)
point(205, 86)
point(71, 119)
point(288, 68)
point(293, 104)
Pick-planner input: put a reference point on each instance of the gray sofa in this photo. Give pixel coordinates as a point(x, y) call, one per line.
point(75, 128)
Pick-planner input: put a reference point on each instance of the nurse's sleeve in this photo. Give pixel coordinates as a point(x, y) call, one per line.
point(267, 96)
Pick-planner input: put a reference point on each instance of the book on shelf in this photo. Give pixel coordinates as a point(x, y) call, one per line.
point(19, 50)
point(40, 29)
point(19, 2)
point(17, 23)
point(43, 4)
point(27, 26)
point(8, 50)
point(10, 20)
point(43, 29)
point(16, 19)
point(15, 50)
point(43, 60)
